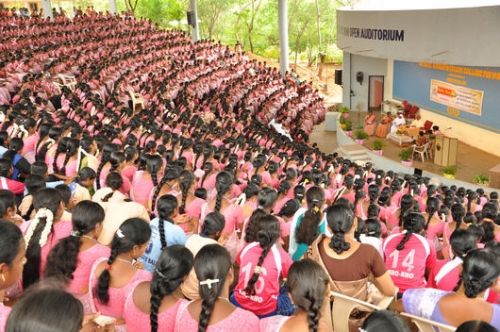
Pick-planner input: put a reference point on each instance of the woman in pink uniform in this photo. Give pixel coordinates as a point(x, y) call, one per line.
point(43, 233)
point(66, 157)
point(214, 271)
point(152, 306)
point(144, 181)
point(408, 255)
point(447, 275)
point(434, 222)
point(72, 258)
point(12, 251)
point(262, 264)
point(114, 278)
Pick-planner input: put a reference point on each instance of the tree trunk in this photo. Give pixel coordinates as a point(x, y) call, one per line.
point(318, 27)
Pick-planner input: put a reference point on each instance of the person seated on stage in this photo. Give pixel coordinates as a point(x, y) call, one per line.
point(369, 125)
point(383, 126)
point(422, 139)
point(417, 122)
point(397, 122)
point(436, 131)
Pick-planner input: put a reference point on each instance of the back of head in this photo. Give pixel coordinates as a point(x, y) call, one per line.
point(46, 310)
point(132, 232)
point(315, 196)
point(481, 269)
point(172, 267)
point(213, 224)
point(340, 220)
point(384, 320)
point(211, 265)
point(266, 198)
point(462, 242)
point(7, 200)
point(308, 283)
point(289, 209)
point(475, 326)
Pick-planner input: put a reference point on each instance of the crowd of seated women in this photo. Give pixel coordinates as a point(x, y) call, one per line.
point(191, 214)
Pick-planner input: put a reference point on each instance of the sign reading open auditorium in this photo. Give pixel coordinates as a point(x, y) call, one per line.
point(459, 97)
point(372, 34)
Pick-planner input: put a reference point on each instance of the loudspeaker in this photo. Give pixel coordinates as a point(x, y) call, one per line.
point(338, 76)
point(418, 172)
point(190, 18)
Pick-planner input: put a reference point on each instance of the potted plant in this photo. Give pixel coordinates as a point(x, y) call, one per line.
point(449, 172)
point(344, 110)
point(482, 180)
point(346, 126)
point(360, 136)
point(377, 147)
point(405, 156)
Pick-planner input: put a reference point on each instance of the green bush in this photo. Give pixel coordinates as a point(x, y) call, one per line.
point(346, 125)
point(360, 134)
point(405, 154)
point(344, 109)
point(481, 179)
point(450, 170)
point(378, 145)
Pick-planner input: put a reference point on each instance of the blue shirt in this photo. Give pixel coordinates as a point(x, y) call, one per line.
point(173, 235)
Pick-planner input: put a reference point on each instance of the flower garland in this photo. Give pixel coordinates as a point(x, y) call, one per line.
point(49, 220)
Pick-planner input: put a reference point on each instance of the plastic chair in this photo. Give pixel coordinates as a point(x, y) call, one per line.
point(68, 80)
point(427, 325)
point(343, 306)
point(430, 149)
point(420, 151)
point(136, 100)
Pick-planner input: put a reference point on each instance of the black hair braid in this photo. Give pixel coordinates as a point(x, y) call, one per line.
point(108, 196)
point(154, 178)
point(250, 288)
point(161, 229)
point(204, 177)
point(157, 192)
point(98, 174)
point(66, 160)
point(63, 258)
point(155, 302)
point(31, 272)
point(184, 193)
point(54, 163)
point(42, 152)
point(207, 307)
point(405, 239)
point(218, 201)
point(338, 242)
point(102, 289)
point(313, 314)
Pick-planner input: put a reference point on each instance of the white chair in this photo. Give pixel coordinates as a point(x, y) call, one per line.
point(344, 305)
point(68, 80)
point(427, 325)
point(421, 151)
point(136, 100)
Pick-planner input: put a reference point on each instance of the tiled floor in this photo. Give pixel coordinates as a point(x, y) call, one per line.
point(470, 161)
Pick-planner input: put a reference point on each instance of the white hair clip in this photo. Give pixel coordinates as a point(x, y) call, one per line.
point(209, 282)
point(120, 234)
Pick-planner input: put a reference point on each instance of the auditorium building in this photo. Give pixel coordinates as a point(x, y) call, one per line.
point(442, 56)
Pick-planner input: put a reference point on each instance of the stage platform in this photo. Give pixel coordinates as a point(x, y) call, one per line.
point(470, 161)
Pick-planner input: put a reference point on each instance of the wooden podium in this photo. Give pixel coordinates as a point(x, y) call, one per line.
point(445, 151)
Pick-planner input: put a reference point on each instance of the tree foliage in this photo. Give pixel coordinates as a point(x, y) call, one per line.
point(254, 24)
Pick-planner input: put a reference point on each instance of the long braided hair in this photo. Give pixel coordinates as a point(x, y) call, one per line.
point(212, 265)
point(172, 267)
point(413, 223)
point(105, 158)
point(267, 236)
point(340, 219)
point(167, 204)
point(132, 232)
point(307, 283)
point(223, 183)
point(185, 182)
point(171, 173)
